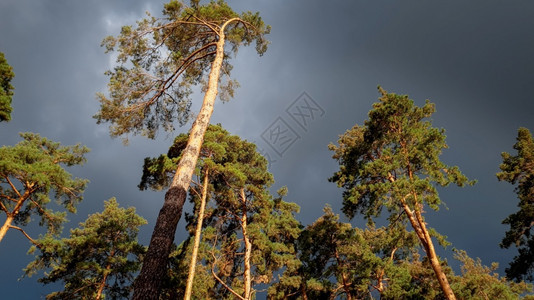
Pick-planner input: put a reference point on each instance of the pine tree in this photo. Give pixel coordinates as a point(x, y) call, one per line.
point(6, 89)
point(247, 233)
point(519, 170)
point(157, 175)
point(32, 173)
point(98, 260)
point(481, 282)
point(159, 62)
point(392, 162)
point(350, 262)
point(380, 263)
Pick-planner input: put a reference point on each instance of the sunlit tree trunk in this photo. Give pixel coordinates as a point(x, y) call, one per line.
point(10, 216)
point(5, 227)
point(196, 243)
point(419, 226)
point(248, 248)
point(102, 284)
point(434, 261)
point(304, 292)
point(148, 283)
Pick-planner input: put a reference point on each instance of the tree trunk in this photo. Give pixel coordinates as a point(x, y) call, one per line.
point(434, 261)
point(191, 275)
point(420, 228)
point(103, 282)
point(6, 225)
point(344, 278)
point(11, 216)
point(304, 291)
point(148, 283)
point(346, 286)
point(418, 224)
point(248, 249)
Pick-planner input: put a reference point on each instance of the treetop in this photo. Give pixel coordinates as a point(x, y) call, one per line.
point(395, 151)
point(36, 163)
point(159, 60)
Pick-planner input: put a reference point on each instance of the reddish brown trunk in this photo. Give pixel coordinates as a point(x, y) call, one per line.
point(304, 292)
point(420, 228)
point(148, 284)
point(434, 261)
point(103, 283)
point(418, 224)
point(380, 276)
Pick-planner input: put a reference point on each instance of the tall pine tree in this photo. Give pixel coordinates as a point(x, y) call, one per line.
point(392, 163)
point(159, 61)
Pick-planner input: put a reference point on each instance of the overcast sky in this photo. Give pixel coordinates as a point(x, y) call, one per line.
point(474, 60)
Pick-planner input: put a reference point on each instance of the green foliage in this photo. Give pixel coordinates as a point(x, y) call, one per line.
point(102, 253)
point(481, 282)
point(234, 165)
point(159, 60)
point(392, 162)
point(394, 156)
point(158, 172)
point(32, 172)
point(175, 284)
point(519, 170)
point(350, 262)
point(418, 281)
point(6, 89)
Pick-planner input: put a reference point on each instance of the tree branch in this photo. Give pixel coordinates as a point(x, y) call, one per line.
point(222, 282)
point(25, 234)
point(3, 207)
point(203, 22)
point(165, 84)
point(13, 186)
point(50, 218)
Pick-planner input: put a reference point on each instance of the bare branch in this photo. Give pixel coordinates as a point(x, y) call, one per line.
point(13, 186)
point(165, 84)
point(210, 26)
point(9, 198)
point(220, 280)
point(3, 207)
point(25, 234)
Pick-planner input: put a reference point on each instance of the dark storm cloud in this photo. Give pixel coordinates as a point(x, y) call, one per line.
point(474, 60)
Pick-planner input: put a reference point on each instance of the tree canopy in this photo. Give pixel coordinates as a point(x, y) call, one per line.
point(392, 162)
point(160, 60)
point(99, 258)
point(6, 89)
point(519, 170)
point(32, 173)
point(380, 263)
point(248, 234)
